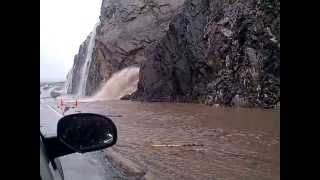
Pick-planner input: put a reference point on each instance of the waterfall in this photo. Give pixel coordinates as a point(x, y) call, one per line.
point(85, 67)
point(68, 84)
point(121, 83)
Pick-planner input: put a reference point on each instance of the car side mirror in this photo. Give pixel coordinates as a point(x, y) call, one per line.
point(85, 132)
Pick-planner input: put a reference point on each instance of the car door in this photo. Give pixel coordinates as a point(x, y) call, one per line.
point(47, 172)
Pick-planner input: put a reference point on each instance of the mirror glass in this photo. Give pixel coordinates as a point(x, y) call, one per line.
point(86, 132)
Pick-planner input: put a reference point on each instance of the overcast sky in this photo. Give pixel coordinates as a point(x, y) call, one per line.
point(64, 25)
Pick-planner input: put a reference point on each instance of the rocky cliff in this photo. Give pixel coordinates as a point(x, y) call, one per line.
point(126, 28)
point(205, 51)
point(217, 52)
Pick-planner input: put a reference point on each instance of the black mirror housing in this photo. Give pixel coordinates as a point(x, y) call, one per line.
point(86, 132)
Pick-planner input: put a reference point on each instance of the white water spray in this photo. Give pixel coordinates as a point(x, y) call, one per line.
point(120, 84)
point(69, 81)
point(85, 67)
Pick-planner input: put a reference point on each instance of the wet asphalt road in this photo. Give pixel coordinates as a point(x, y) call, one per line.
point(89, 166)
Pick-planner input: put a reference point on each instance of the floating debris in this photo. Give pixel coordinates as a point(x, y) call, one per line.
point(109, 115)
point(175, 145)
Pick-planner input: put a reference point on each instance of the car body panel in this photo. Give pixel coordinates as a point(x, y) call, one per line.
point(47, 172)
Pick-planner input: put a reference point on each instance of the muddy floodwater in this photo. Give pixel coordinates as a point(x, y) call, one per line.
point(193, 141)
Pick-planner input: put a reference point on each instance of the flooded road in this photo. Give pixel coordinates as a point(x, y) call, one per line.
point(208, 143)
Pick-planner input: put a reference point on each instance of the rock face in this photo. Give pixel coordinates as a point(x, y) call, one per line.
point(126, 28)
point(216, 52)
point(206, 51)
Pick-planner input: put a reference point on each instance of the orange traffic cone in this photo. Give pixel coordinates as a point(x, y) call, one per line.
point(61, 102)
point(76, 103)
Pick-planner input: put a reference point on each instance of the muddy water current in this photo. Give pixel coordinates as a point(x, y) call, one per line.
point(193, 141)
